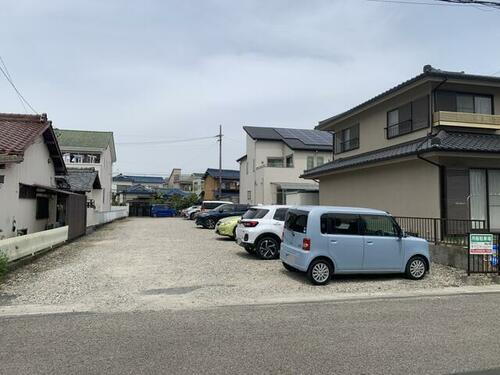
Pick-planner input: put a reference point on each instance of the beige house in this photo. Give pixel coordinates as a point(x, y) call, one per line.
point(274, 160)
point(30, 159)
point(429, 147)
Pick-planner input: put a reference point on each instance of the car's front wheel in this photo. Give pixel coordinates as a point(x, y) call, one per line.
point(416, 268)
point(320, 272)
point(268, 248)
point(210, 224)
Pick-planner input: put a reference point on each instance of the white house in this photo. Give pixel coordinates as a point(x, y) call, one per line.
point(30, 159)
point(83, 149)
point(274, 161)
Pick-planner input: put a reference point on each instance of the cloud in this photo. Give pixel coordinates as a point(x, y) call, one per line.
point(175, 69)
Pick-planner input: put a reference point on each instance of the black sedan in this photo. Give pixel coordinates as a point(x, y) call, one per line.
point(208, 219)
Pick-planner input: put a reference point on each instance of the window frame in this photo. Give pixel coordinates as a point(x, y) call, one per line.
point(309, 158)
point(395, 225)
point(333, 215)
point(342, 141)
point(456, 93)
point(286, 161)
point(275, 158)
point(411, 121)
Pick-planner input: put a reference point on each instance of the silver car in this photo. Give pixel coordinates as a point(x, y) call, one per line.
point(323, 241)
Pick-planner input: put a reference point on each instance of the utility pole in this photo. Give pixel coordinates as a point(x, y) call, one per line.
point(220, 160)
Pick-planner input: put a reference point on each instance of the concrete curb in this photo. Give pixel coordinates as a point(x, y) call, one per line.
point(171, 305)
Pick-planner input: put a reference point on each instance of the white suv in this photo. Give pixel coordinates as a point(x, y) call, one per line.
point(260, 229)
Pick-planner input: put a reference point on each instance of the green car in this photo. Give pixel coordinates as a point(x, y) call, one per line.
point(227, 226)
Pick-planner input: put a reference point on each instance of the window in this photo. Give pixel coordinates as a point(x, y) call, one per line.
point(310, 162)
point(296, 220)
point(289, 161)
point(226, 208)
point(255, 213)
point(474, 104)
point(464, 102)
point(2, 179)
point(320, 161)
point(347, 139)
point(382, 226)
point(345, 224)
point(280, 214)
point(275, 162)
point(27, 192)
point(407, 118)
point(42, 208)
point(249, 195)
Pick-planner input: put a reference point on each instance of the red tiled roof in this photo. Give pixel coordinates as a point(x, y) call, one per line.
point(17, 132)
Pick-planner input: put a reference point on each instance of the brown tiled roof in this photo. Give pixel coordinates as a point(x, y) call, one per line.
point(17, 132)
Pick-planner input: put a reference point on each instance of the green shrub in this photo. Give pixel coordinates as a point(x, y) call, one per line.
point(3, 264)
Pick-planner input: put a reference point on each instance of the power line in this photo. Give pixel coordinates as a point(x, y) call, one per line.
point(473, 3)
point(169, 141)
point(8, 73)
point(7, 77)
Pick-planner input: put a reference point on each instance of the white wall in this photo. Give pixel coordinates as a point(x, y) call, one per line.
point(37, 168)
point(303, 199)
point(260, 180)
point(105, 170)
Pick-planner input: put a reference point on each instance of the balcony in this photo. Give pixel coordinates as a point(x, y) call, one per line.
point(466, 120)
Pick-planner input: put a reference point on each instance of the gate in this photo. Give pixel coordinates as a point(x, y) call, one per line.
point(76, 215)
point(482, 253)
point(139, 208)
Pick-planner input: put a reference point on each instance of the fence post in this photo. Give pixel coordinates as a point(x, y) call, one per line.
point(435, 232)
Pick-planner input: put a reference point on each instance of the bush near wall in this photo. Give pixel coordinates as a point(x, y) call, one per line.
point(3, 264)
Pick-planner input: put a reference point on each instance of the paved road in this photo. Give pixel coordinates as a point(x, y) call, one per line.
point(437, 335)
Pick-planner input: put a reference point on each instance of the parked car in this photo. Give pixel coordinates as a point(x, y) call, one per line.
point(210, 218)
point(260, 230)
point(323, 241)
point(162, 210)
point(227, 226)
point(191, 211)
point(210, 205)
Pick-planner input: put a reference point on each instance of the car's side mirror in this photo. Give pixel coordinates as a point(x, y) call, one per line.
point(221, 210)
point(402, 233)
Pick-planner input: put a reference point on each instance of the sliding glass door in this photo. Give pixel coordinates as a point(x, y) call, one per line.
point(477, 198)
point(494, 199)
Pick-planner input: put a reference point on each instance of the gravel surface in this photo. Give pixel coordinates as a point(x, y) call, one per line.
point(158, 263)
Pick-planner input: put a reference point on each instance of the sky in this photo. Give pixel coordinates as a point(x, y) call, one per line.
point(158, 70)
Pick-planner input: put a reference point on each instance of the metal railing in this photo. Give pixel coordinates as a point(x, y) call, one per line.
point(438, 230)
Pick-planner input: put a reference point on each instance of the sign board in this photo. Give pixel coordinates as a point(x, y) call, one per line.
point(481, 244)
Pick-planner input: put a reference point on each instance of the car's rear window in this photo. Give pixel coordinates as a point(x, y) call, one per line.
point(296, 220)
point(255, 213)
point(280, 214)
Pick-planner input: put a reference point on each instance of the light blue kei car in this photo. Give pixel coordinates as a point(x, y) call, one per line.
point(323, 241)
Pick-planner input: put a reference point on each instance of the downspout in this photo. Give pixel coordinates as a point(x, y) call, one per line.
point(441, 175)
point(433, 103)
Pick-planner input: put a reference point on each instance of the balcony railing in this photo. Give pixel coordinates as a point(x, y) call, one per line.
point(438, 230)
point(468, 120)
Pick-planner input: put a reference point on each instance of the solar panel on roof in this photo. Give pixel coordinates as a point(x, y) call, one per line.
point(306, 136)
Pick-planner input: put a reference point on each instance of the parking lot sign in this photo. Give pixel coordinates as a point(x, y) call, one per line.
point(481, 244)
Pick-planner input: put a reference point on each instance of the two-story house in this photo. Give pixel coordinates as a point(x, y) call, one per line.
point(275, 158)
point(221, 186)
point(31, 199)
point(90, 150)
point(428, 147)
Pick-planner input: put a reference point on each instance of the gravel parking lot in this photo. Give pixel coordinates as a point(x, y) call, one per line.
point(158, 263)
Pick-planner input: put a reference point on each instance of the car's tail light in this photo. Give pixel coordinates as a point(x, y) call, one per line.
point(306, 244)
point(249, 224)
